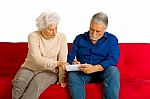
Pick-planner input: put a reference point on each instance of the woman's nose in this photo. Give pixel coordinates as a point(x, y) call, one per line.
point(54, 31)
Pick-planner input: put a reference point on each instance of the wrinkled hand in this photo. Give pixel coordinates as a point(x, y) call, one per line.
point(75, 61)
point(62, 84)
point(88, 68)
point(61, 64)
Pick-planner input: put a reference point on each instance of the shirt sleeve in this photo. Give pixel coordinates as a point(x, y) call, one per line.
point(113, 53)
point(34, 52)
point(73, 51)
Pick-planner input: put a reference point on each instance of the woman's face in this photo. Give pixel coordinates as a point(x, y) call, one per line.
point(50, 31)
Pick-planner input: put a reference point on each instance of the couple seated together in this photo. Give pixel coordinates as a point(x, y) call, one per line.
point(95, 52)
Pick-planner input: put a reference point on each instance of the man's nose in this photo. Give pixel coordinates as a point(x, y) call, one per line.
point(94, 32)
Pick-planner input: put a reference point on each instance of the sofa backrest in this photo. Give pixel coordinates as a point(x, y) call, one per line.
point(12, 52)
point(12, 55)
point(134, 61)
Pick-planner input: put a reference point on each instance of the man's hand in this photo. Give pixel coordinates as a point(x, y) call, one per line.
point(88, 68)
point(75, 61)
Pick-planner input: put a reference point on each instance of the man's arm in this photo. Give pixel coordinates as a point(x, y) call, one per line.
point(73, 51)
point(113, 53)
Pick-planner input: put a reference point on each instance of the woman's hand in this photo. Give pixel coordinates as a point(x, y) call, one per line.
point(62, 64)
point(62, 84)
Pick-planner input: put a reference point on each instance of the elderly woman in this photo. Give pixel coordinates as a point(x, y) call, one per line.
point(46, 56)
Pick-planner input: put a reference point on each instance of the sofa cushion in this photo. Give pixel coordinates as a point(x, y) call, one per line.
point(6, 87)
point(11, 69)
point(135, 89)
point(93, 91)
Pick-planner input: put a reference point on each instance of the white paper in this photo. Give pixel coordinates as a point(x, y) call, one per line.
point(72, 67)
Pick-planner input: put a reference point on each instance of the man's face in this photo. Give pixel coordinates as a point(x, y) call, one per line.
point(96, 31)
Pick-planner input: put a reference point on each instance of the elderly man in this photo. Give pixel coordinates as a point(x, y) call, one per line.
point(97, 52)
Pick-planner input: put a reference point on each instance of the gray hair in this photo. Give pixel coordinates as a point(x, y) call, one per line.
point(47, 18)
point(100, 18)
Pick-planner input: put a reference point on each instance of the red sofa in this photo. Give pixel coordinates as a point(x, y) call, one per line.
point(134, 66)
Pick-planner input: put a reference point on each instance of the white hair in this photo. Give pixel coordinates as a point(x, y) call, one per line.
point(100, 18)
point(47, 18)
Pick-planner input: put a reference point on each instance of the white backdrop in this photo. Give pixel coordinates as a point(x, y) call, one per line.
point(129, 20)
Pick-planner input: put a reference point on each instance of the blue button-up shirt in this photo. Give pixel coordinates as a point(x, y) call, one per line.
point(105, 52)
